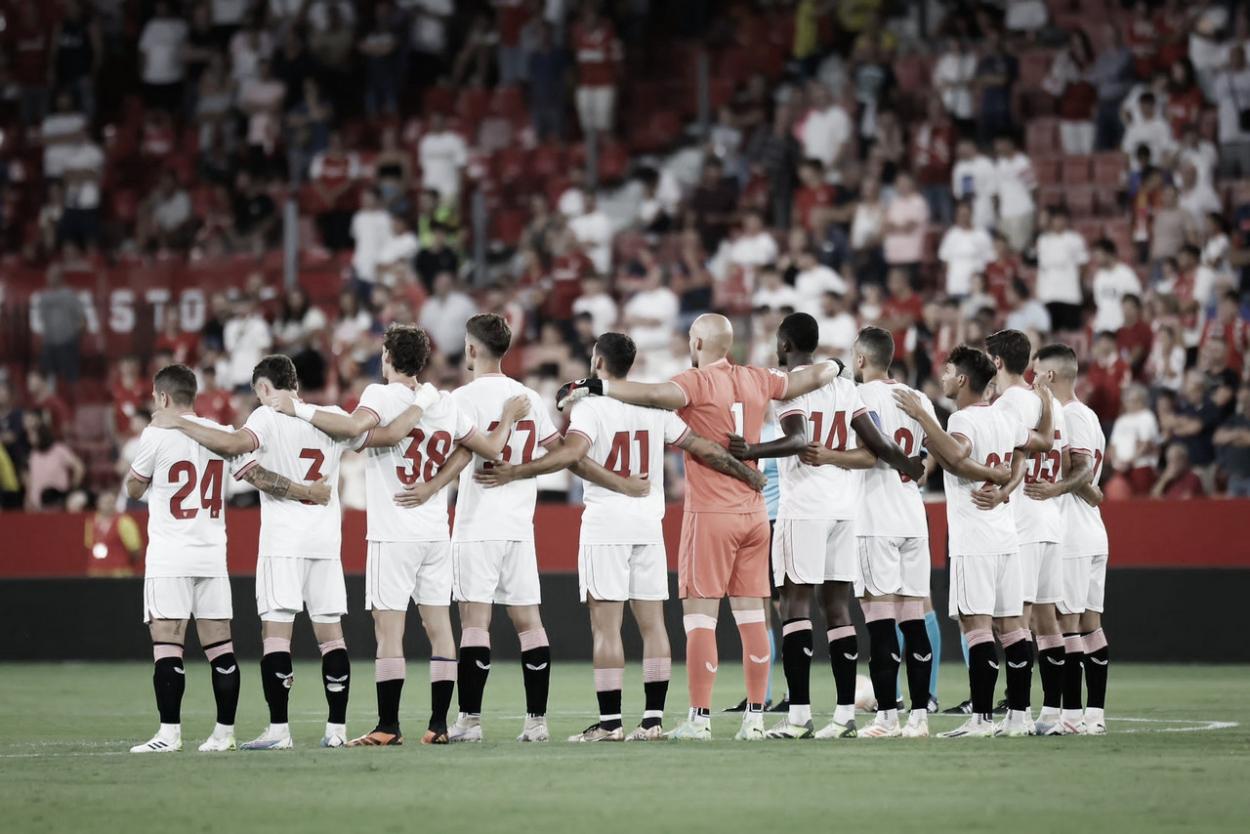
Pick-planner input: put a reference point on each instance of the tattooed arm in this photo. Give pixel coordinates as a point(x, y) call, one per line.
point(280, 486)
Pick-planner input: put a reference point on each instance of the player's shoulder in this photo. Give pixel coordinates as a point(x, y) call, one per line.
point(204, 421)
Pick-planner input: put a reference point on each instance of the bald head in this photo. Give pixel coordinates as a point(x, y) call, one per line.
point(711, 337)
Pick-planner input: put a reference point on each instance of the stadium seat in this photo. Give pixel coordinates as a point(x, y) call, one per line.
point(1042, 136)
point(507, 225)
point(548, 161)
point(1109, 169)
point(1080, 200)
point(1047, 169)
point(1076, 170)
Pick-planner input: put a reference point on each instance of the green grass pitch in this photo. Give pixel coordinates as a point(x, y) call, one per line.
point(1169, 762)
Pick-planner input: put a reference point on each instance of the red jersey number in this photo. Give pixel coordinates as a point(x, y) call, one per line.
point(315, 457)
point(836, 439)
point(907, 442)
point(183, 472)
point(618, 456)
point(1043, 466)
point(527, 447)
point(432, 453)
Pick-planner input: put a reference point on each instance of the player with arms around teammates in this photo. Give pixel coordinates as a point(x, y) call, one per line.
point(621, 553)
point(725, 533)
point(814, 543)
point(986, 585)
point(185, 569)
point(299, 563)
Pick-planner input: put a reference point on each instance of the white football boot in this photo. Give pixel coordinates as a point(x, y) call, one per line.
point(168, 739)
point(275, 737)
point(535, 729)
point(221, 741)
point(468, 728)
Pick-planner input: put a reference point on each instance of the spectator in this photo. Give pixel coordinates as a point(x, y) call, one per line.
point(1152, 130)
point(873, 81)
point(867, 228)
point(598, 65)
point(1068, 82)
point(332, 175)
point(12, 432)
point(1193, 425)
point(444, 314)
point(261, 97)
point(1060, 255)
point(443, 154)
point(255, 215)
point(62, 320)
point(247, 339)
point(772, 293)
point(813, 201)
point(932, 154)
point(165, 217)
point(1231, 92)
point(548, 80)
point(53, 470)
point(596, 302)
point(1113, 281)
point(813, 281)
point(1171, 227)
point(1230, 329)
point(249, 47)
point(161, 54)
point(712, 205)
point(1133, 445)
point(181, 345)
point(906, 220)
point(965, 250)
point(214, 106)
point(825, 130)
point(308, 130)
point(1232, 447)
point(83, 170)
point(130, 393)
point(996, 74)
point(113, 540)
point(1111, 76)
point(351, 325)
point(593, 231)
point(1165, 369)
point(754, 246)
point(974, 178)
point(370, 229)
point(299, 322)
point(661, 200)
point(901, 311)
point(838, 329)
point(60, 133)
point(393, 170)
point(1178, 480)
point(1199, 152)
point(1134, 336)
point(1185, 101)
point(1106, 377)
point(436, 256)
point(293, 66)
point(1014, 184)
point(650, 315)
point(397, 257)
point(953, 76)
point(1197, 197)
point(383, 61)
point(1025, 313)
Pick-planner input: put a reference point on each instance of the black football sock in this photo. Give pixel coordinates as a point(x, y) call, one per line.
point(843, 657)
point(918, 652)
point(1096, 663)
point(388, 675)
point(442, 685)
point(336, 672)
point(473, 669)
point(1019, 657)
point(1073, 658)
point(169, 681)
point(1051, 662)
point(982, 677)
point(226, 680)
point(609, 705)
point(275, 680)
point(796, 659)
point(883, 661)
point(535, 670)
point(656, 672)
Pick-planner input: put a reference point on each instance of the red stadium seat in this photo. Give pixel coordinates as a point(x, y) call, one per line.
point(1042, 136)
point(1076, 170)
point(439, 99)
point(509, 102)
point(1109, 169)
point(1080, 200)
point(1047, 169)
point(508, 225)
point(1034, 66)
point(548, 161)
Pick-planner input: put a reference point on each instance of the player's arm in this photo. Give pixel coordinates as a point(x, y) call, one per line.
point(817, 455)
point(883, 448)
point(719, 458)
point(491, 445)
point(666, 395)
point(136, 486)
point(806, 380)
point(392, 432)
point(422, 491)
point(228, 444)
point(989, 496)
point(572, 448)
point(952, 452)
point(633, 486)
point(1078, 470)
point(793, 440)
point(1090, 493)
point(1042, 439)
point(280, 486)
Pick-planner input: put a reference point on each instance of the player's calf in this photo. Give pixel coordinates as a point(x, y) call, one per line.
point(918, 651)
point(535, 670)
point(276, 679)
point(168, 684)
point(1051, 659)
point(883, 660)
point(1019, 656)
point(219, 651)
point(843, 656)
point(336, 680)
point(657, 667)
point(1096, 663)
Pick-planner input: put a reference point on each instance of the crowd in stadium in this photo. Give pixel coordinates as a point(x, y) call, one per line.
point(1076, 170)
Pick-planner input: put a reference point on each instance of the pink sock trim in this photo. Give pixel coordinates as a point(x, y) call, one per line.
point(744, 617)
point(332, 646)
point(389, 669)
point(840, 632)
point(656, 669)
point(609, 680)
point(1049, 641)
point(908, 610)
point(797, 625)
point(217, 651)
point(275, 645)
point(442, 670)
point(166, 650)
point(1074, 644)
point(692, 621)
point(1094, 641)
point(874, 611)
point(475, 637)
point(1013, 637)
point(535, 638)
point(978, 636)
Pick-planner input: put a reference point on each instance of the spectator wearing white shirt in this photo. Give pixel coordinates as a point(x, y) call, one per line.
point(593, 231)
point(161, 52)
point(443, 154)
point(596, 302)
point(1197, 198)
point(650, 315)
point(1024, 312)
point(972, 178)
point(772, 293)
point(397, 254)
point(371, 229)
point(826, 129)
point(1231, 92)
point(1014, 183)
point(965, 250)
point(247, 338)
point(1113, 280)
point(81, 176)
point(1133, 446)
point(953, 75)
point(1151, 130)
point(813, 281)
point(838, 328)
point(444, 314)
point(60, 132)
point(1061, 253)
point(753, 247)
point(906, 221)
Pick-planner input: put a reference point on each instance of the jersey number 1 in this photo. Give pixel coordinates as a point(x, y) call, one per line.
point(210, 489)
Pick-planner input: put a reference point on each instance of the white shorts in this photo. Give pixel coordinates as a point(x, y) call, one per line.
point(1041, 565)
point(893, 565)
point(809, 551)
point(502, 572)
point(1097, 583)
point(1075, 584)
point(184, 597)
point(989, 586)
point(284, 586)
point(620, 572)
point(396, 572)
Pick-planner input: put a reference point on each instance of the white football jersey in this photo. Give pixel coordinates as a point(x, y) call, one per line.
point(628, 440)
point(1084, 531)
point(892, 504)
point(994, 434)
point(1037, 521)
point(416, 458)
point(822, 491)
point(186, 503)
point(504, 513)
point(297, 450)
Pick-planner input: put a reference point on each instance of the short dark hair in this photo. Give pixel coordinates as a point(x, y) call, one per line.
point(1058, 351)
point(1147, 98)
point(801, 330)
point(618, 352)
point(491, 331)
point(279, 370)
point(1012, 347)
point(1106, 245)
point(1133, 299)
point(877, 344)
point(1020, 288)
point(408, 346)
point(176, 382)
point(973, 364)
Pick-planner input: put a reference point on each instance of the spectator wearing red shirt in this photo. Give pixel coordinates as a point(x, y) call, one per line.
point(42, 398)
point(1231, 328)
point(1141, 36)
point(1003, 271)
point(933, 154)
point(569, 266)
point(1135, 336)
point(28, 42)
point(213, 402)
point(598, 54)
point(1185, 100)
point(113, 540)
point(129, 392)
point(511, 17)
point(901, 310)
point(182, 346)
point(814, 197)
point(1106, 378)
point(331, 176)
point(1178, 479)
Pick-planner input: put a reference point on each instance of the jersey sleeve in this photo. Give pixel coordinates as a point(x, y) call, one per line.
point(675, 428)
point(788, 408)
point(372, 400)
point(960, 426)
point(145, 458)
point(1063, 440)
point(857, 406)
point(542, 419)
point(775, 382)
point(584, 422)
point(1079, 436)
point(693, 385)
point(461, 420)
point(258, 426)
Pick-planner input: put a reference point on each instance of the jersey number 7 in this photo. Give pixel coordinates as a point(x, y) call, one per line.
point(210, 488)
